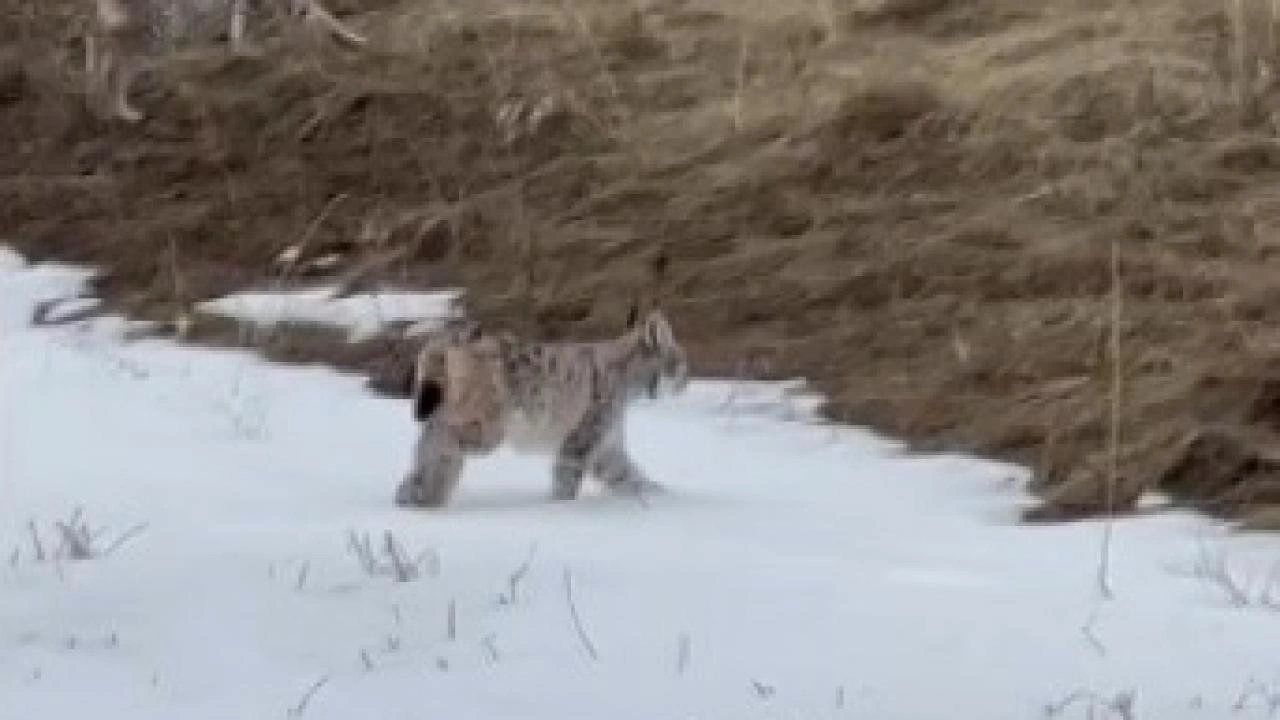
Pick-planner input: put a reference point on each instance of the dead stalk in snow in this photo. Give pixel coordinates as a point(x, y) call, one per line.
point(401, 569)
point(301, 707)
point(76, 541)
point(490, 648)
point(1264, 692)
point(397, 564)
point(302, 575)
point(583, 638)
point(1238, 589)
point(516, 576)
point(37, 546)
point(763, 691)
point(1117, 707)
point(683, 652)
point(451, 622)
point(1087, 630)
point(125, 537)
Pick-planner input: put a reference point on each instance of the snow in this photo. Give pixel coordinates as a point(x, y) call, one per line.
point(360, 314)
point(790, 570)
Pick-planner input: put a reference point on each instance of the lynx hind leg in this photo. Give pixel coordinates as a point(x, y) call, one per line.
point(437, 468)
point(613, 467)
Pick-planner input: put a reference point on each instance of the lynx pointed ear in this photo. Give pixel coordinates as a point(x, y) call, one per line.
point(657, 331)
point(633, 315)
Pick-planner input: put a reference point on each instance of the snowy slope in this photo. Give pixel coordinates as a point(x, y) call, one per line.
point(791, 571)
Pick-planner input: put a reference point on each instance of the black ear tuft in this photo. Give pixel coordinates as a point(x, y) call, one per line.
point(633, 315)
point(427, 400)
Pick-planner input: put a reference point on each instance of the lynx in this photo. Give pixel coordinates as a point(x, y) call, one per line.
point(129, 36)
point(474, 393)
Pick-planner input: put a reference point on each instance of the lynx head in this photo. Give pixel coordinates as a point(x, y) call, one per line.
point(659, 364)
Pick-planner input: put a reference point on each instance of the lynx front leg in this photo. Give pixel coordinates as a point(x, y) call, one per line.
point(437, 468)
point(577, 450)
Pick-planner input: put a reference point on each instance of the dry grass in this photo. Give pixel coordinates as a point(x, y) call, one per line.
point(912, 202)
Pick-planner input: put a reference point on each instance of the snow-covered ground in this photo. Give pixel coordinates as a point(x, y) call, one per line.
point(361, 315)
point(791, 571)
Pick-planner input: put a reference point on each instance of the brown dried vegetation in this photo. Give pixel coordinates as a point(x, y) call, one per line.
point(913, 203)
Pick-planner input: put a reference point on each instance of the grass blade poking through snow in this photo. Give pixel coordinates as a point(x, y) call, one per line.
point(577, 619)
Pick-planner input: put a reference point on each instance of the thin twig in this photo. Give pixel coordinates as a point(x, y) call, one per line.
point(125, 537)
point(513, 581)
point(301, 707)
point(577, 620)
point(35, 541)
point(307, 234)
point(1087, 630)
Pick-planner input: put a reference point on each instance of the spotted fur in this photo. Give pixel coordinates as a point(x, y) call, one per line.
point(130, 36)
point(568, 400)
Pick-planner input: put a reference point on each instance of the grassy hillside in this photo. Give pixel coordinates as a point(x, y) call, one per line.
point(1035, 230)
